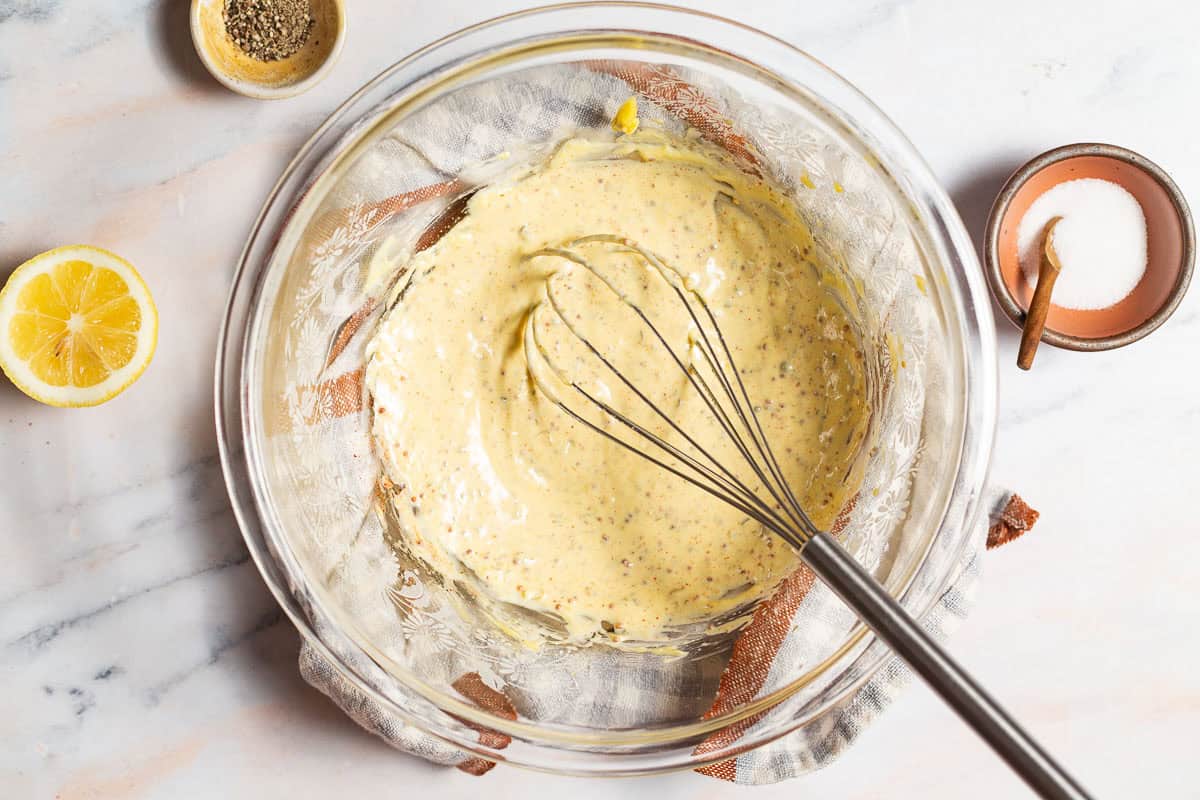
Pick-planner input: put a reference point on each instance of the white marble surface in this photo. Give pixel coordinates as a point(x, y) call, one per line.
point(141, 656)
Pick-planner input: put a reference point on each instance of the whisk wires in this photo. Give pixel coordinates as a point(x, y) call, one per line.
point(723, 393)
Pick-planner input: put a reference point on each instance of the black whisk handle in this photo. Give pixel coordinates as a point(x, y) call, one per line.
point(838, 569)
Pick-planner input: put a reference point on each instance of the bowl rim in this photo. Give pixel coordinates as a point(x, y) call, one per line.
point(262, 91)
point(951, 245)
point(1003, 293)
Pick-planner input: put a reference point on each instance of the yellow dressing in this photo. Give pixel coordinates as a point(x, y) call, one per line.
point(626, 119)
point(495, 484)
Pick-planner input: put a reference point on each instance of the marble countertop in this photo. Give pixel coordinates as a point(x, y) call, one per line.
point(141, 655)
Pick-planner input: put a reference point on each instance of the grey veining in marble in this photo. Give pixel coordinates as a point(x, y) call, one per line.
point(142, 657)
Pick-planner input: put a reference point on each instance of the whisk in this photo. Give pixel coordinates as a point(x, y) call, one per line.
point(709, 368)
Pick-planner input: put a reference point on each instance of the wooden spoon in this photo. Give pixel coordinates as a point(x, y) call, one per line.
point(1035, 317)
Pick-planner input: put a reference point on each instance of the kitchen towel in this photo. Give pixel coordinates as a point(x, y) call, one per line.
point(543, 104)
point(787, 757)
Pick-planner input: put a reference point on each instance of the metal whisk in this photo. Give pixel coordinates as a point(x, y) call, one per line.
point(710, 370)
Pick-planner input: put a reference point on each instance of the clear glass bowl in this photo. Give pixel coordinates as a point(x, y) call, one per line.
point(386, 168)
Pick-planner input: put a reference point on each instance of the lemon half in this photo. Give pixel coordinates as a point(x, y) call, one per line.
point(77, 326)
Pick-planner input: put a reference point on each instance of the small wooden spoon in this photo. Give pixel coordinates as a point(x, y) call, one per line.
point(1035, 317)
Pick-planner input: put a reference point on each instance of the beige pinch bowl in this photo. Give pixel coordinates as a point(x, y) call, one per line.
point(268, 80)
point(1170, 247)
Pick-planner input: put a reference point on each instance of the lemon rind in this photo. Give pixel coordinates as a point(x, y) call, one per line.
point(120, 379)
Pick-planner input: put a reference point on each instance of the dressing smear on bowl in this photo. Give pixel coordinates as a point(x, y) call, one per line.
point(496, 487)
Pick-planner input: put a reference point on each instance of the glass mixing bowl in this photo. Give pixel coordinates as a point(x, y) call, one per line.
point(385, 174)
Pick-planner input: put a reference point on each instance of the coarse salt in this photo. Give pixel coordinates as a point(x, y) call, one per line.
point(1100, 242)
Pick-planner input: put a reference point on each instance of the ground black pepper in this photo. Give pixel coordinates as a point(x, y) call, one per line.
point(268, 30)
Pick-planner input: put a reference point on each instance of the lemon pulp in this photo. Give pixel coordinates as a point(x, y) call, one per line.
point(77, 326)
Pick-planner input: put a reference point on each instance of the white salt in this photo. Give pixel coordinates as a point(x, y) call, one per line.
point(1100, 242)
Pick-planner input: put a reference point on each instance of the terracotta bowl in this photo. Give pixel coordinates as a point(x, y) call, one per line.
point(1170, 246)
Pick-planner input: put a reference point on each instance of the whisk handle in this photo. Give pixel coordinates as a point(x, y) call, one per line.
point(838, 569)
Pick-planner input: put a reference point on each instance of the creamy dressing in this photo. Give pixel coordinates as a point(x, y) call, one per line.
point(493, 483)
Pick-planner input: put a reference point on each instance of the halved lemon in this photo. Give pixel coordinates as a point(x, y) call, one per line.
point(77, 326)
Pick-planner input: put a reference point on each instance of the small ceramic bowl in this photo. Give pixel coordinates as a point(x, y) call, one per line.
point(1171, 244)
point(268, 80)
